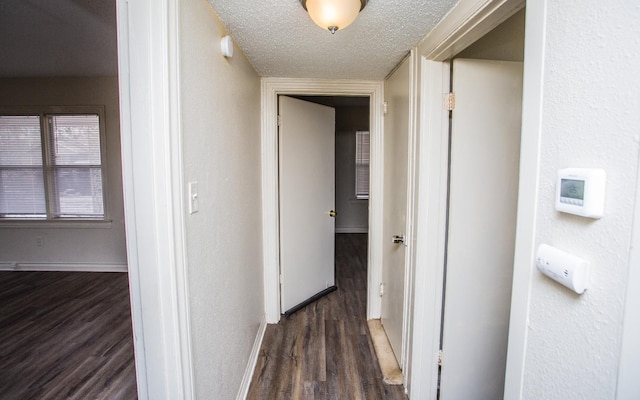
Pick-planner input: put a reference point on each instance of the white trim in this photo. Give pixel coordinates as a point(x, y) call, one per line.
point(150, 107)
point(179, 191)
point(466, 23)
point(430, 229)
point(352, 229)
point(410, 217)
point(628, 385)
point(253, 360)
point(129, 204)
point(271, 88)
point(532, 98)
point(67, 267)
point(56, 224)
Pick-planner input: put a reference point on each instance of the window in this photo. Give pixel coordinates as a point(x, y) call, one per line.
point(362, 164)
point(52, 166)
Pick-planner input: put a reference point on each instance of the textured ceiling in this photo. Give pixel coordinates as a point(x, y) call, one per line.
point(281, 40)
point(58, 38)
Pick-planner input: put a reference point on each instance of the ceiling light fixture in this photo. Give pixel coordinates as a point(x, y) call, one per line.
point(333, 14)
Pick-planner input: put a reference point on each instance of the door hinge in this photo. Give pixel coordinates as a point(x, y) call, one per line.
point(280, 279)
point(381, 289)
point(385, 108)
point(449, 101)
point(439, 358)
point(279, 120)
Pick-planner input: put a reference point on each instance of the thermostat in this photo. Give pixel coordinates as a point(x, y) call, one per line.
point(580, 191)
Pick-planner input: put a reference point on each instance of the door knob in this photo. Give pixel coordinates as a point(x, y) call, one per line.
point(398, 239)
point(332, 213)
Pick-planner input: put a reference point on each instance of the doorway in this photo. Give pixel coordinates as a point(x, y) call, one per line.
point(57, 275)
point(484, 158)
point(484, 150)
point(323, 177)
point(271, 89)
point(434, 167)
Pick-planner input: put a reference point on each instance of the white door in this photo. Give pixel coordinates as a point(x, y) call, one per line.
point(307, 196)
point(396, 149)
point(485, 151)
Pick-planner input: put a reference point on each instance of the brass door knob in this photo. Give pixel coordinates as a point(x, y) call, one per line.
point(332, 213)
point(398, 239)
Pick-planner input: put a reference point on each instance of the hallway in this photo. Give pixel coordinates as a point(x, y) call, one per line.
point(324, 350)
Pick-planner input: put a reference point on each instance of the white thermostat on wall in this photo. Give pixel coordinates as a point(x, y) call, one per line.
point(580, 191)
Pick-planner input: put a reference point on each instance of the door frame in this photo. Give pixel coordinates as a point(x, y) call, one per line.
point(466, 23)
point(271, 88)
point(628, 386)
point(411, 214)
point(151, 146)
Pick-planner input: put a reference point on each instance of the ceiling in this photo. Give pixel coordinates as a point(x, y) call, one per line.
point(78, 37)
point(58, 38)
point(281, 40)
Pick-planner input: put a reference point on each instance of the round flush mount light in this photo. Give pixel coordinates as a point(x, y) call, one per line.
point(226, 45)
point(333, 14)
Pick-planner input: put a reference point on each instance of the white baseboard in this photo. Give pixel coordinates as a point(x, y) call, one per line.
point(253, 360)
point(67, 267)
point(352, 229)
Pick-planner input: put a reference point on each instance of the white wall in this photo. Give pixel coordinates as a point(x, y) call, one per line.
point(589, 118)
point(505, 42)
point(104, 246)
point(353, 214)
point(221, 151)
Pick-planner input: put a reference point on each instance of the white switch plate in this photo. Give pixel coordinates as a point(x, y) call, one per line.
point(193, 197)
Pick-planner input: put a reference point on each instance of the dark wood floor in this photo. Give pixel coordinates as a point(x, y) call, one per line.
point(324, 350)
point(65, 335)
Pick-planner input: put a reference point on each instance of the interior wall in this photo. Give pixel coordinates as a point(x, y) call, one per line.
point(221, 151)
point(353, 214)
point(504, 43)
point(589, 119)
point(93, 247)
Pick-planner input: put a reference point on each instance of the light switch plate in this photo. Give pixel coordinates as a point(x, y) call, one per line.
point(193, 197)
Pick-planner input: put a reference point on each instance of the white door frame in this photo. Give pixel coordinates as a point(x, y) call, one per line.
point(153, 196)
point(410, 217)
point(628, 386)
point(467, 22)
point(271, 89)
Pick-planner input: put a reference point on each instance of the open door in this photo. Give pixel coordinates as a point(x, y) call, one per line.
point(307, 198)
point(485, 154)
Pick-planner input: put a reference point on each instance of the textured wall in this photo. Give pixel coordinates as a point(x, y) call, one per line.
point(590, 119)
point(71, 245)
point(221, 150)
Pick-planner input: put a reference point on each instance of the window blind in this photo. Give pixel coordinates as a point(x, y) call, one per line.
point(362, 164)
point(51, 170)
point(22, 192)
point(76, 174)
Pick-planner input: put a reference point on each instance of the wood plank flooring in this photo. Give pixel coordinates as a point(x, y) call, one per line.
point(65, 335)
point(324, 350)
